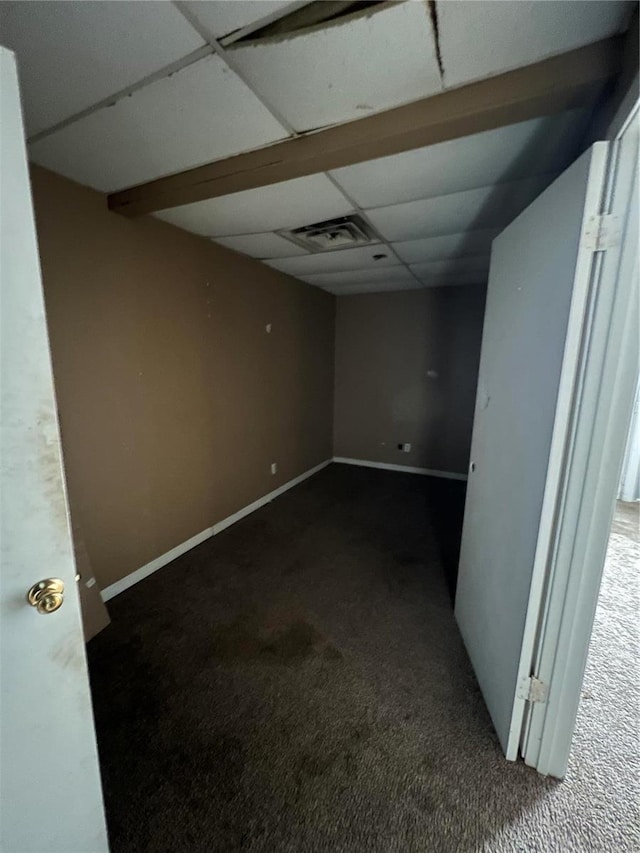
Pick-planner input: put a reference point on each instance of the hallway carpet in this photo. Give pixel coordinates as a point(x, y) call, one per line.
point(298, 684)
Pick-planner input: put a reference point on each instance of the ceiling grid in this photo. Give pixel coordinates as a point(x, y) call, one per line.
point(363, 214)
point(215, 44)
point(166, 71)
point(118, 94)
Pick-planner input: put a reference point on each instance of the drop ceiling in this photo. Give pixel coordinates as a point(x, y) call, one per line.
point(116, 94)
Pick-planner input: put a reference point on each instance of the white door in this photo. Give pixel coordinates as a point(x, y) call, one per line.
point(610, 355)
point(51, 800)
point(539, 283)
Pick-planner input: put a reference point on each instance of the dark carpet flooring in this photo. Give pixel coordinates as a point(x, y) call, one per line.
point(298, 683)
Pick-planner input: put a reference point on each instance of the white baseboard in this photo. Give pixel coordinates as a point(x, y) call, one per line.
point(408, 469)
point(144, 572)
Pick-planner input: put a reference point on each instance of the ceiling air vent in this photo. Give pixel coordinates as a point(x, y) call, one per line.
point(346, 231)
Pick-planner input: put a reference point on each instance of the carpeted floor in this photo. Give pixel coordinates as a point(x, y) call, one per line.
point(298, 684)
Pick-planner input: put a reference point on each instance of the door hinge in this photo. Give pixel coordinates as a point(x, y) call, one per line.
point(531, 689)
point(602, 232)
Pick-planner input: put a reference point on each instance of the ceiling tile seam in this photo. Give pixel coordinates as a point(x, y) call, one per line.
point(219, 50)
point(363, 213)
point(110, 100)
point(245, 31)
point(552, 174)
point(435, 31)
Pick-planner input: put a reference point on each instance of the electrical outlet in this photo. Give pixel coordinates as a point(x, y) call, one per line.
point(406, 448)
point(268, 328)
point(274, 467)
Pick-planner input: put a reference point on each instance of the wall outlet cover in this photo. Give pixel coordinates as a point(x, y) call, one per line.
point(274, 467)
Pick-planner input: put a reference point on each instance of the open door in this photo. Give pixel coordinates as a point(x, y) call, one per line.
point(51, 798)
point(542, 267)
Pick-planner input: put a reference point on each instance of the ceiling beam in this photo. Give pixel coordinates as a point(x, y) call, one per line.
point(560, 83)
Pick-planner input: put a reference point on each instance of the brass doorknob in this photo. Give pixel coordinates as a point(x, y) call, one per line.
point(46, 595)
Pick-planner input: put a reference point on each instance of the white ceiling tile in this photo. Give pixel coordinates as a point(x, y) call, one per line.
point(508, 153)
point(449, 246)
point(222, 17)
point(73, 54)
point(452, 267)
point(201, 113)
point(261, 245)
point(289, 204)
point(485, 207)
point(451, 276)
point(468, 277)
point(455, 282)
point(337, 261)
point(345, 70)
point(480, 38)
point(472, 268)
point(375, 287)
point(391, 275)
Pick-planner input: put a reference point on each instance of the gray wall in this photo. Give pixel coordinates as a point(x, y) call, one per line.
point(406, 371)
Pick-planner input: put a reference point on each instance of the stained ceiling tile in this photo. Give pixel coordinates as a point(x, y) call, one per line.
point(480, 38)
point(262, 246)
point(74, 54)
point(485, 207)
point(519, 150)
point(289, 204)
point(391, 275)
point(201, 113)
point(370, 61)
point(337, 261)
point(222, 17)
point(449, 246)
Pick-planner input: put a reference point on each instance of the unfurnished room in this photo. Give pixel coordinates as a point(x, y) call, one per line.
point(319, 340)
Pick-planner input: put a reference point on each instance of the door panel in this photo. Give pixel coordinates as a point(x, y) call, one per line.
point(50, 781)
point(538, 281)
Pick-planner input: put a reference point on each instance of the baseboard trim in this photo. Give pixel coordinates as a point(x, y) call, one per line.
point(407, 469)
point(144, 572)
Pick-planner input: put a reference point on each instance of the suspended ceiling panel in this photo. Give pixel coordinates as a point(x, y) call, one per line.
point(479, 38)
point(222, 18)
point(202, 112)
point(453, 266)
point(345, 70)
point(289, 204)
point(391, 275)
point(373, 287)
point(449, 246)
point(485, 207)
point(262, 246)
point(338, 261)
point(450, 279)
point(73, 54)
point(512, 152)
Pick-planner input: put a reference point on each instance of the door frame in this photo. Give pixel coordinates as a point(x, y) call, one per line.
point(593, 457)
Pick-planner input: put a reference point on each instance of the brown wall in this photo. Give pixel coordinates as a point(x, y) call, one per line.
point(386, 343)
point(173, 399)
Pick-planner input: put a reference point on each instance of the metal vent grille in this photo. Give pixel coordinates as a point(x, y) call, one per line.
point(341, 233)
